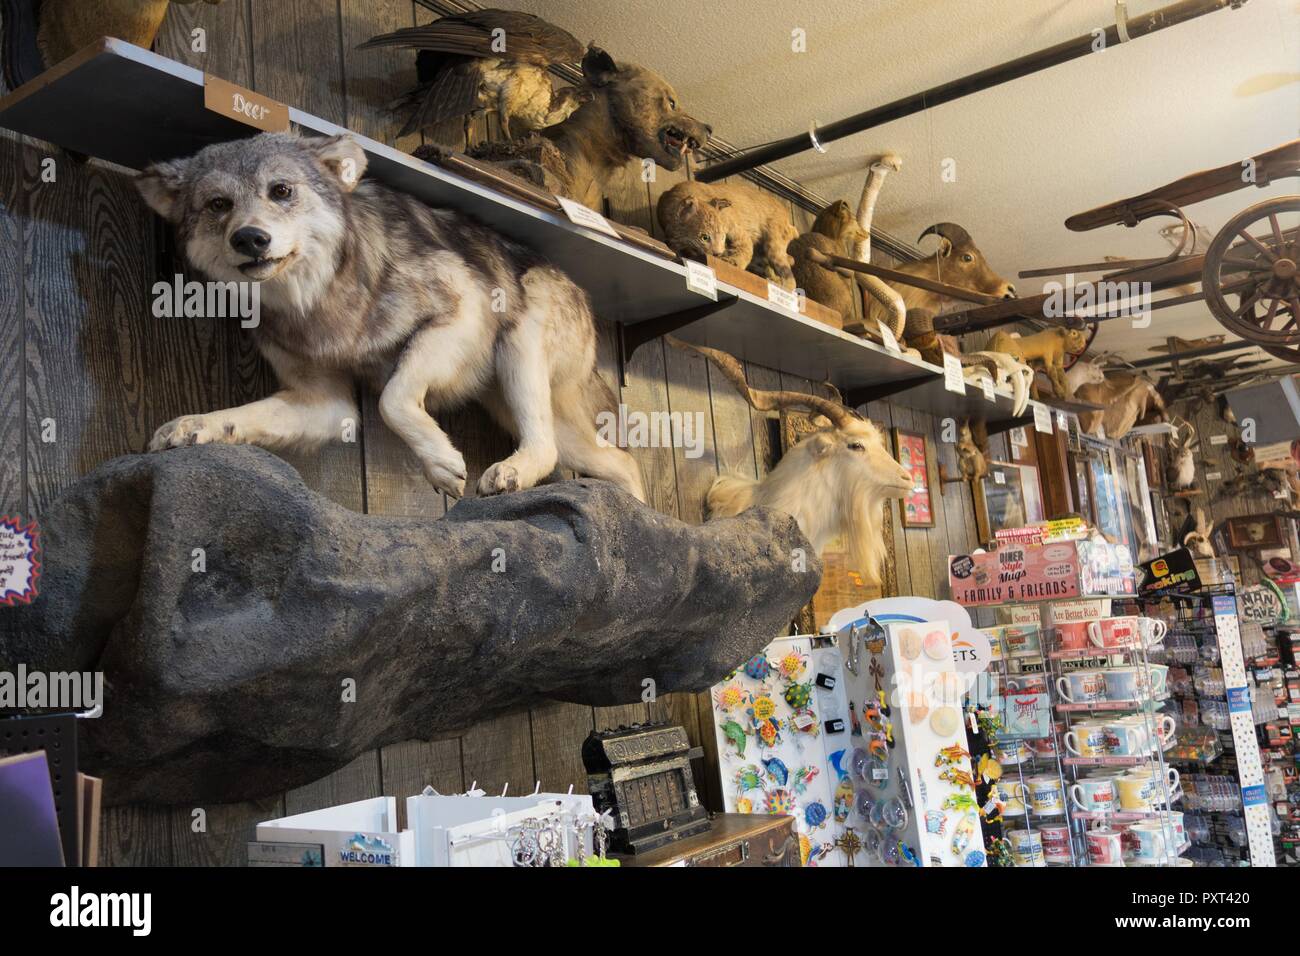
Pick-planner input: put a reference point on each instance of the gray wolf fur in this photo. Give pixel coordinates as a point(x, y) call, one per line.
point(362, 283)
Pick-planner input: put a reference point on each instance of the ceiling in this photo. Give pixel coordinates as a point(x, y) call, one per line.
point(1027, 154)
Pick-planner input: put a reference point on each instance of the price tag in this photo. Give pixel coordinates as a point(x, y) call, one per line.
point(999, 478)
point(1042, 418)
point(952, 377)
point(1213, 475)
point(878, 774)
point(891, 343)
point(245, 106)
point(580, 215)
point(700, 278)
point(782, 297)
point(1218, 439)
point(986, 386)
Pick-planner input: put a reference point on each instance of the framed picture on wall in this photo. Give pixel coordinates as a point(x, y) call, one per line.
point(1000, 500)
point(913, 453)
point(1250, 532)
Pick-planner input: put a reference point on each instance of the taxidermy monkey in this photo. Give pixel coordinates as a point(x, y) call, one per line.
point(1046, 348)
point(487, 59)
point(735, 222)
point(39, 33)
point(834, 288)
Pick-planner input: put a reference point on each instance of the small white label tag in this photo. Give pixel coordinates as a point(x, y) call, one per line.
point(891, 343)
point(1062, 422)
point(952, 377)
point(1218, 439)
point(700, 278)
point(782, 297)
point(986, 386)
point(1042, 418)
point(999, 478)
point(1213, 475)
point(580, 215)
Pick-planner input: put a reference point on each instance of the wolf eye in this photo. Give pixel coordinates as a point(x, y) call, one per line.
point(281, 191)
point(220, 204)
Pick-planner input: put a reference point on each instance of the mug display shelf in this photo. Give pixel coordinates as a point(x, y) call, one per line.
point(1087, 653)
point(1109, 761)
point(1103, 706)
point(129, 106)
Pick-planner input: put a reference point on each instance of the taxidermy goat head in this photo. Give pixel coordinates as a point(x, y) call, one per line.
point(958, 263)
point(1181, 470)
point(834, 482)
point(1196, 535)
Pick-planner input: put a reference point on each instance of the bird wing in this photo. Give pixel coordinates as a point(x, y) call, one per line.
point(452, 92)
point(527, 38)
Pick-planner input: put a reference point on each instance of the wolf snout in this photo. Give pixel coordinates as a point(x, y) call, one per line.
point(251, 241)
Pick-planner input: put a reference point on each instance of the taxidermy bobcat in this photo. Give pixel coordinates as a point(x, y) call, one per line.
point(735, 222)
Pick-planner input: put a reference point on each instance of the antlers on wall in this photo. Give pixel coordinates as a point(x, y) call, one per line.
point(766, 401)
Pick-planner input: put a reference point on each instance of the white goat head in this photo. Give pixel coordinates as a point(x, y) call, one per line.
point(1083, 373)
point(834, 482)
point(1181, 470)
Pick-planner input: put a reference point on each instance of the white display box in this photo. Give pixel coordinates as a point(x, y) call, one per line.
point(473, 831)
point(353, 834)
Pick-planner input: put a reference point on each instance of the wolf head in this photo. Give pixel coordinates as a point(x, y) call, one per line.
point(645, 109)
point(272, 207)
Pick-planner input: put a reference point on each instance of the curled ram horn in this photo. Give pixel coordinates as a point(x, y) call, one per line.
point(948, 230)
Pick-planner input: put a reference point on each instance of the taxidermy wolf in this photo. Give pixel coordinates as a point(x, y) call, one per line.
point(359, 282)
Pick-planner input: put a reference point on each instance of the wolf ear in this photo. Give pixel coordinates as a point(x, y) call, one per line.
point(342, 157)
point(160, 185)
point(598, 67)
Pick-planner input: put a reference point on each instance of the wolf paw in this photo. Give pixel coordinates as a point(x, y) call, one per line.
point(193, 430)
point(498, 479)
point(447, 476)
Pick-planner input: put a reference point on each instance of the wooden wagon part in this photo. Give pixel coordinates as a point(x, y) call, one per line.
point(1272, 164)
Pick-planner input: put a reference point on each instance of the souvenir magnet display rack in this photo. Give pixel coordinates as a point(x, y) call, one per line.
point(1227, 792)
point(782, 727)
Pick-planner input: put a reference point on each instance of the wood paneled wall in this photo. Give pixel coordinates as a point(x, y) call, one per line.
point(80, 348)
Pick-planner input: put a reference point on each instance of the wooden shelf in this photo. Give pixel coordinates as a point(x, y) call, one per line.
point(120, 103)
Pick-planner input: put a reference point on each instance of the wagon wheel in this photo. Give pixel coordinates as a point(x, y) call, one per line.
point(1284, 353)
point(1261, 272)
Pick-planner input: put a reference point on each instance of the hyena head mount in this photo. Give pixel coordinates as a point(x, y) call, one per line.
point(644, 109)
point(270, 209)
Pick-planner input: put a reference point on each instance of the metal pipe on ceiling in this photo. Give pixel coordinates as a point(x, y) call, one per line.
point(1136, 27)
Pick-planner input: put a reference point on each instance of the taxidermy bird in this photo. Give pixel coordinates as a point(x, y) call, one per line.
point(36, 34)
point(487, 59)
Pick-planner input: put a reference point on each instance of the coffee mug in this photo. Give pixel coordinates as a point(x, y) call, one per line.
point(1045, 795)
point(1026, 848)
point(1105, 847)
point(1027, 684)
point(1157, 794)
point(1056, 842)
point(1159, 681)
point(1163, 725)
point(1011, 752)
point(1135, 793)
point(1082, 687)
point(1149, 842)
point(1072, 636)
point(1127, 683)
point(1153, 630)
point(1114, 632)
point(1012, 794)
point(1173, 823)
point(1094, 794)
point(1125, 738)
point(1087, 740)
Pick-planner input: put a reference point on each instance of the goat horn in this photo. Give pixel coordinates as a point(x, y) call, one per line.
point(950, 231)
point(763, 400)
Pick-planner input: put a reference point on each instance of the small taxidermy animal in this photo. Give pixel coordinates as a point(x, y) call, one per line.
point(36, 34)
point(972, 450)
point(487, 59)
point(1047, 348)
point(738, 223)
point(1196, 535)
point(834, 288)
point(1180, 471)
point(359, 282)
point(1127, 400)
